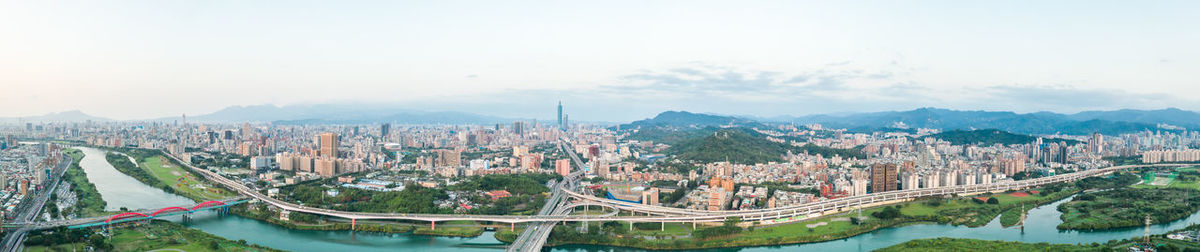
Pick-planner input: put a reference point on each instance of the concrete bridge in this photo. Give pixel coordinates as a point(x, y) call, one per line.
point(135, 215)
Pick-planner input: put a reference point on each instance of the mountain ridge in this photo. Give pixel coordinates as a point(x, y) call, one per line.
point(1105, 122)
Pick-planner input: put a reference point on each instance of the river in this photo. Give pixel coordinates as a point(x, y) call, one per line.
point(120, 190)
point(130, 193)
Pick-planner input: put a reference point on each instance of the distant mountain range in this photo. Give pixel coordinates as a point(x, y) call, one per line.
point(339, 114)
point(66, 116)
point(1105, 122)
point(1040, 123)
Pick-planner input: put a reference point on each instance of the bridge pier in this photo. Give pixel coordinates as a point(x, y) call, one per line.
point(353, 223)
point(512, 226)
point(433, 225)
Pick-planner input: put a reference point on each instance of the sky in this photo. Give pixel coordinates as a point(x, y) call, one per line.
point(605, 60)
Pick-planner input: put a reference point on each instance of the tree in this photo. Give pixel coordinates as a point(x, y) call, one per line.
point(889, 212)
point(993, 201)
point(732, 221)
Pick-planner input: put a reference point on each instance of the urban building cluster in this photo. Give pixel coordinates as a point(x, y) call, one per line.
point(26, 169)
point(636, 170)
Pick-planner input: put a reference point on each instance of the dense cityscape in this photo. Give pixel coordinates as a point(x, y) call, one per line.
point(676, 160)
point(607, 126)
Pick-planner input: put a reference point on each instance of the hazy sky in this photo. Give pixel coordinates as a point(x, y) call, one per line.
point(607, 60)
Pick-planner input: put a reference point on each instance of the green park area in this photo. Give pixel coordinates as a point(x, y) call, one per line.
point(156, 235)
point(527, 195)
point(1184, 178)
point(1129, 206)
point(185, 183)
point(450, 228)
point(955, 244)
point(158, 171)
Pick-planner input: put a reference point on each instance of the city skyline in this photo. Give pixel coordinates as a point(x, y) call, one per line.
point(156, 59)
point(525, 126)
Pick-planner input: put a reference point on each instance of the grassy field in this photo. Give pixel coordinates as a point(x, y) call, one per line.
point(964, 210)
point(954, 244)
point(1012, 216)
point(450, 231)
point(161, 235)
point(451, 228)
point(89, 201)
point(657, 229)
point(957, 244)
point(184, 182)
point(1194, 185)
point(1126, 207)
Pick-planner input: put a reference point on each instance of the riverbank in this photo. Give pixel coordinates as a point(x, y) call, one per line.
point(155, 235)
point(1128, 207)
point(1160, 242)
point(965, 211)
point(302, 221)
point(955, 244)
point(88, 202)
point(155, 170)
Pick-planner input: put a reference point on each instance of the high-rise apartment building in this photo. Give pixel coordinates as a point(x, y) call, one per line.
point(1095, 144)
point(884, 177)
point(562, 167)
point(326, 166)
point(650, 197)
point(329, 144)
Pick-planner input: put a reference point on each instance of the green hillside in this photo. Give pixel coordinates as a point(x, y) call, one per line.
point(991, 136)
point(744, 146)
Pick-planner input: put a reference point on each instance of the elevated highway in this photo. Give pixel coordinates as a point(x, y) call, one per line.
point(565, 198)
point(534, 236)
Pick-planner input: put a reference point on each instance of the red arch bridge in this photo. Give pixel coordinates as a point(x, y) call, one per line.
point(153, 214)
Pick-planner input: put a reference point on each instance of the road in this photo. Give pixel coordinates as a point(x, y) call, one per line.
point(12, 241)
point(535, 235)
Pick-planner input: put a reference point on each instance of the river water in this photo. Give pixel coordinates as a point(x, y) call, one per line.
point(120, 190)
point(1040, 226)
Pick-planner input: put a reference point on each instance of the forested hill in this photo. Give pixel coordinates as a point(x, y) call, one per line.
point(1105, 122)
point(992, 136)
point(743, 146)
